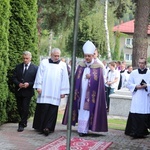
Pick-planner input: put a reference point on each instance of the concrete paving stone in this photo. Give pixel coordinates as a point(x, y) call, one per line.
point(29, 139)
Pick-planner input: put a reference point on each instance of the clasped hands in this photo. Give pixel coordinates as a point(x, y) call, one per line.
point(87, 76)
point(141, 86)
point(109, 83)
point(23, 85)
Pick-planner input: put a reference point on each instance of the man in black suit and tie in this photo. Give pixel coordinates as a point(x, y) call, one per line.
point(23, 78)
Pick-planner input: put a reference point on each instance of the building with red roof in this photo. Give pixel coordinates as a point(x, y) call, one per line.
point(126, 41)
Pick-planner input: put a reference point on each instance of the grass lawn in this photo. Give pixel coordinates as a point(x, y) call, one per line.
point(118, 124)
point(113, 123)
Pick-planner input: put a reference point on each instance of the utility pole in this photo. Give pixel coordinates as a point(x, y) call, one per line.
point(71, 96)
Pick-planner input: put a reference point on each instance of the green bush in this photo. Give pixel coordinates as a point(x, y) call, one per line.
point(4, 26)
point(22, 37)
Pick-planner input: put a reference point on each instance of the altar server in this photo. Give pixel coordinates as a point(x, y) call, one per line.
point(52, 83)
point(138, 121)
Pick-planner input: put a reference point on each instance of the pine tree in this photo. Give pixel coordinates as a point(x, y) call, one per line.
point(140, 39)
point(4, 25)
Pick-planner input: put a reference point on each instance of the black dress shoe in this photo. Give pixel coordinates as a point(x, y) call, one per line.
point(46, 131)
point(20, 129)
point(82, 134)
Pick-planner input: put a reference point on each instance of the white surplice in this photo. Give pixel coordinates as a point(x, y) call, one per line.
point(83, 118)
point(140, 99)
point(53, 80)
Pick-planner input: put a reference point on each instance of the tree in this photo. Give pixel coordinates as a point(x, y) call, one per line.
point(106, 30)
point(57, 16)
point(140, 42)
point(4, 27)
point(90, 28)
point(116, 54)
point(22, 37)
point(52, 20)
point(121, 7)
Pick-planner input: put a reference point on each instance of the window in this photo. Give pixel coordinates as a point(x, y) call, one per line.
point(129, 42)
point(128, 56)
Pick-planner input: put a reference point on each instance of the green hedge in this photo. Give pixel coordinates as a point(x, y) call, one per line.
point(4, 62)
point(22, 37)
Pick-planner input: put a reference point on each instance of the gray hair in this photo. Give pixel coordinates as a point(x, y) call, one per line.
point(27, 53)
point(55, 50)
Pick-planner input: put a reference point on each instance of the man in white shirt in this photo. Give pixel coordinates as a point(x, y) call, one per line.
point(111, 82)
point(52, 83)
point(123, 73)
point(127, 75)
point(138, 121)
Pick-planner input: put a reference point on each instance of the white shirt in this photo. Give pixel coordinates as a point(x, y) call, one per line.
point(53, 80)
point(140, 99)
point(106, 69)
point(123, 79)
point(111, 76)
point(27, 66)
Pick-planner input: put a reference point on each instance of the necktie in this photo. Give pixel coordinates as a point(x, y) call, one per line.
point(25, 70)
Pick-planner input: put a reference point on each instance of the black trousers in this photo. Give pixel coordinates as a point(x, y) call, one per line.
point(45, 117)
point(23, 108)
point(108, 91)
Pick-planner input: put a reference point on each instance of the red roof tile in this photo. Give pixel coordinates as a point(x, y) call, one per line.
point(127, 27)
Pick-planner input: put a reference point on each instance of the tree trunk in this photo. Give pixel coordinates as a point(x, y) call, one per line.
point(39, 21)
point(140, 41)
point(107, 31)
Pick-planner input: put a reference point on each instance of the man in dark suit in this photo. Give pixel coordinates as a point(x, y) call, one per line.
point(23, 78)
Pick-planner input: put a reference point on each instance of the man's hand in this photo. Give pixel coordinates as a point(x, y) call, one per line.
point(26, 84)
point(62, 96)
point(141, 86)
point(87, 76)
point(108, 83)
point(144, 86)
point(21, 85)
point(39, 91)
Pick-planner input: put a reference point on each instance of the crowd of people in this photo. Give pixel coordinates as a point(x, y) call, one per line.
point(95, 80)
point(116, 77)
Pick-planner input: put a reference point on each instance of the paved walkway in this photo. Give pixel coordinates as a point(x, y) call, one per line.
point(29, 139)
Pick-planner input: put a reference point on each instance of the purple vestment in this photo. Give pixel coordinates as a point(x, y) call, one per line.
point(95, 103)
